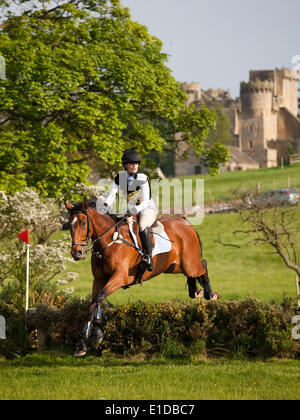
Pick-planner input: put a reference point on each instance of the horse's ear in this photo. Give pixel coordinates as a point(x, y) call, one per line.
point(85, 204)
point(69, 206)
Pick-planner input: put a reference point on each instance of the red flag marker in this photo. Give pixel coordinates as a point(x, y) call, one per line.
point(24, 236)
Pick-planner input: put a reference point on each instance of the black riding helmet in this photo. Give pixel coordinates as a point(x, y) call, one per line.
point(130, 156)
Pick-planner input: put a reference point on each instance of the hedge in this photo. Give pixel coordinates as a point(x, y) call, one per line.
point(242, 328)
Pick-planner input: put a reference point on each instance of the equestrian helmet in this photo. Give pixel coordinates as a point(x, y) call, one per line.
point(130, 156)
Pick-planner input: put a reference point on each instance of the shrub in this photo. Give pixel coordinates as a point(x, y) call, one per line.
point(19, 340)
point(245, 328)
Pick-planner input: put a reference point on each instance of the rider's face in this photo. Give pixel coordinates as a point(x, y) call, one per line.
point(132, 168)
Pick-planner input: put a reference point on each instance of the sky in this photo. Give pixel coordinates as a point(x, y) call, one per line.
point(217, 42)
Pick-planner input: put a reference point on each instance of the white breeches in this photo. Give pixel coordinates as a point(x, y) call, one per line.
point(146, 218)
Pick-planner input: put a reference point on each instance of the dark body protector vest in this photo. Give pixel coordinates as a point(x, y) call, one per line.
point(131, 185)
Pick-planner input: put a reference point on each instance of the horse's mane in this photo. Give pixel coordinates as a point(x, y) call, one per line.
point(92, 204)
point(79, 205)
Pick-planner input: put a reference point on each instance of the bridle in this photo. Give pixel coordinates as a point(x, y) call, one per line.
point(88, 238)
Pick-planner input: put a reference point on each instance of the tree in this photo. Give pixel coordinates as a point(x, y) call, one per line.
point(26, 210)
point(272, 224)
point(83, 82)
point(48, 257)
point(221, 133)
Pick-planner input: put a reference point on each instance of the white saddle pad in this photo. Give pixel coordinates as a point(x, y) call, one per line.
point(162, 241)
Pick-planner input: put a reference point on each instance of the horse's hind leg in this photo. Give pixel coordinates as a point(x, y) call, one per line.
point(193, 291)
point(205, 283)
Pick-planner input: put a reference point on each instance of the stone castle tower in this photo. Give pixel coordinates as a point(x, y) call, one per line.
point(264, 118)
point(268, 115)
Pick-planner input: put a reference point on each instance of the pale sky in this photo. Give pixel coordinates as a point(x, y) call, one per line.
point(217, 42)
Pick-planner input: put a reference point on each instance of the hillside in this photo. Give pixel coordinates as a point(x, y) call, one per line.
point(222, 186)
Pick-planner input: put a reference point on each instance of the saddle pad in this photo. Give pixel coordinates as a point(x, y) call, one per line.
point(162, 242)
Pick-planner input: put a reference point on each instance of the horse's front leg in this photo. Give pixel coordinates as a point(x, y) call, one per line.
point(117, 280)
point(92, 321)
point(81, 346)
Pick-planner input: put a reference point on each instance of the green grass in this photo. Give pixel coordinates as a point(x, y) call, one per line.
point(48, 376)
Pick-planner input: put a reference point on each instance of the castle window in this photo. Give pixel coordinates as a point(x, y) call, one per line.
point(251, 144)
point(198, 170)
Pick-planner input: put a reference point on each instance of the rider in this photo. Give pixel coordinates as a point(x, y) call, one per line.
point(138, 190)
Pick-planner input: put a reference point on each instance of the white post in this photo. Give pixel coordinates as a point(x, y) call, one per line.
point(297, 289)
point(2, 328)
point(27, 279)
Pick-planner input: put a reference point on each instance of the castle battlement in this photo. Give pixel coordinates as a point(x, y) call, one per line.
point(257, 86)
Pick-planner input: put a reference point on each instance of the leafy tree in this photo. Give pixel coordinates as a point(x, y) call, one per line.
point(221, 133)
point(84, 82)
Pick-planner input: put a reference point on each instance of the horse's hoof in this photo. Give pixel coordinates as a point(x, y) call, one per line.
point(199, 294)
point(79, 353)
point(215, 296)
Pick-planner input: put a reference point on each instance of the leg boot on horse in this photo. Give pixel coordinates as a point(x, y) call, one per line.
point(194, 292)
point(205, 283)
point(91, 328)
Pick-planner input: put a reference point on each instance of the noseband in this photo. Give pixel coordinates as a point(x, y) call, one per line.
point(86, 244)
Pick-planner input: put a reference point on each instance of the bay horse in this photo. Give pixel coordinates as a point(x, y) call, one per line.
point(116, 264)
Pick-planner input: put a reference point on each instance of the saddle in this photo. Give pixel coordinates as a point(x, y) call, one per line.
point(160, 240)
point(156, 228)
point(157, 231)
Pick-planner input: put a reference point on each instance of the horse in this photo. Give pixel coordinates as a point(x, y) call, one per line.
point(115, 259)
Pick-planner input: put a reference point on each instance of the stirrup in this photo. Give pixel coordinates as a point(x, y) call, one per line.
point(147, 262)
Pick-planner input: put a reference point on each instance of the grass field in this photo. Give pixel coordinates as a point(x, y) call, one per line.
point(234, 273)
point(48, 376)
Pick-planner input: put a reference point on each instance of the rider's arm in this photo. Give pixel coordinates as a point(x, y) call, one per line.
point(112, 195)
point(145, 196)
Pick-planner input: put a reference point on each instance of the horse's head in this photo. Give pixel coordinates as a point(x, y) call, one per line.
point(80, 227)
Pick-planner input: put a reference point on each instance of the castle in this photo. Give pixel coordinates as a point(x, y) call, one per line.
point(264, 120)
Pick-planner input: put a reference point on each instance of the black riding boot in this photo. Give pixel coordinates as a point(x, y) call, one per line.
point(147, 248)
